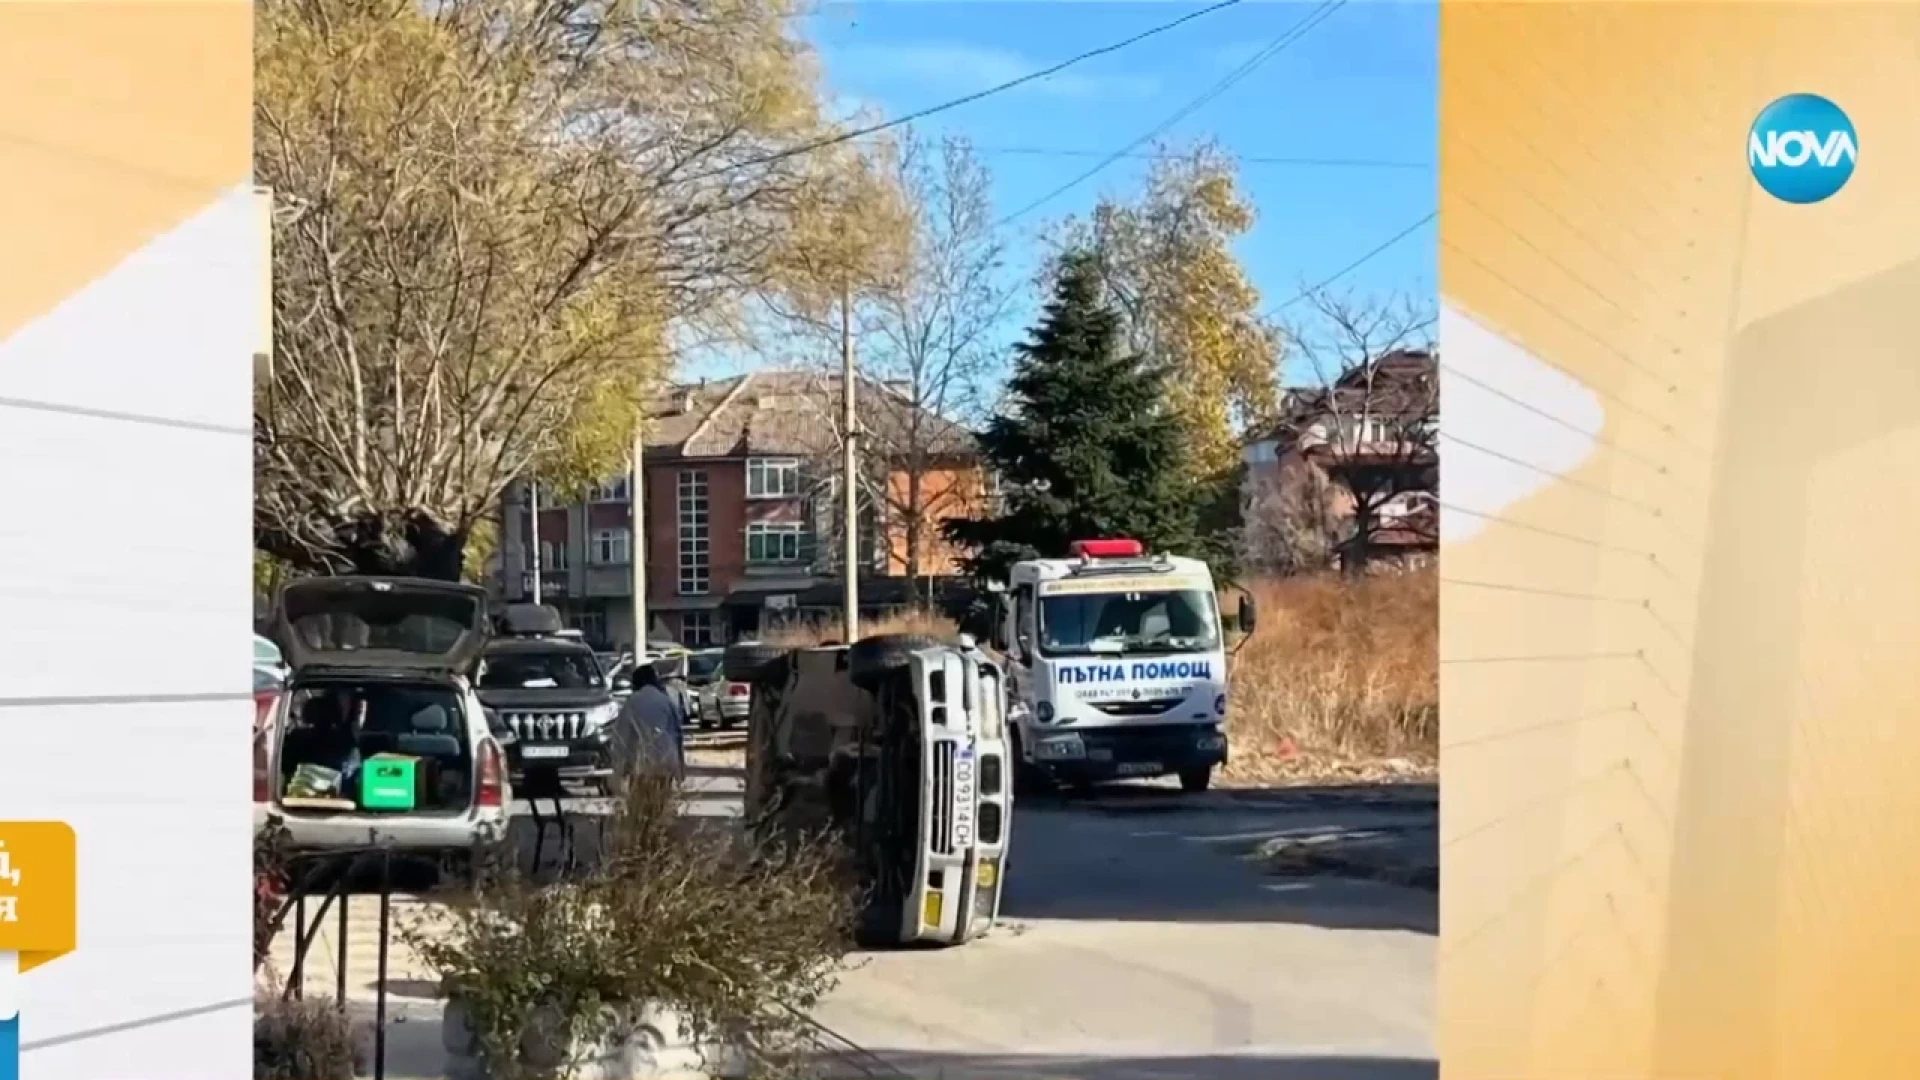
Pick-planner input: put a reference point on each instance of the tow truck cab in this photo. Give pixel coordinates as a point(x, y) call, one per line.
point(1117, 664)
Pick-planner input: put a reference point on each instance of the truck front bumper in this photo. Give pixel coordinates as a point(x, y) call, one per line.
point(1098, 755)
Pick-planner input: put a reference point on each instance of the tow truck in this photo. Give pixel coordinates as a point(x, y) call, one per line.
point(1117, 666)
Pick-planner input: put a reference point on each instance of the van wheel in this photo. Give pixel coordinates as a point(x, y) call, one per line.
point(1196, 780)
point(871, 659)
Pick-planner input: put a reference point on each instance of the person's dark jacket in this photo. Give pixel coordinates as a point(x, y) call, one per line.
point(650, 730)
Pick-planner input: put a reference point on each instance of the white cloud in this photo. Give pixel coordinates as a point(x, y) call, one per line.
point(961, 69)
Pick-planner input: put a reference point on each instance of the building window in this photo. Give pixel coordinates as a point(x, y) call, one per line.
point(613, 491)
point(773, 478)
point(592, 626)
point(553, 556)
point(774, 542)
point(696, 628)
point(610, 547)
point(695, 554)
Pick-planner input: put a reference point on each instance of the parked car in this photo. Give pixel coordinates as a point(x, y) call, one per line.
point(378, 737)
point(702, 670)
point(267, 685)
point(267, 657)
point(550, 692)
point(720, 702)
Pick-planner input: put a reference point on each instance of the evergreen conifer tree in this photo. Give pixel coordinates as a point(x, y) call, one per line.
point(1086, 446)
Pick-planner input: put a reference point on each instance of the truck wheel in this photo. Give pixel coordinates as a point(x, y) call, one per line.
point(871, 659)
point(1028, 779)
point(1196, 780)
point(752, 663)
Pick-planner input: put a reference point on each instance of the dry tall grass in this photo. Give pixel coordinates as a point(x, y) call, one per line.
point(803, 633)
point(1340, 669)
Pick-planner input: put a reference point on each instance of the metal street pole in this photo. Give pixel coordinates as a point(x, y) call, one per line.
point(533, 511)
point(637, 553)
point(850, 470)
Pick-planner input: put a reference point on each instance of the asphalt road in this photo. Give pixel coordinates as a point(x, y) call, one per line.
point(1140, 944)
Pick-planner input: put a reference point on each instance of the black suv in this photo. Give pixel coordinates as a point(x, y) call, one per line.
point(552, 695)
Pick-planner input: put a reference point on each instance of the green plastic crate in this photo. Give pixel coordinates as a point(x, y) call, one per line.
point(388, 782)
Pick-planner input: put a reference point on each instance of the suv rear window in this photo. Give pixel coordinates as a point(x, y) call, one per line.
point(397, 624)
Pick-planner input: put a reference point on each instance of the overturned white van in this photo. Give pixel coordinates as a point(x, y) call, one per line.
point(897, 744)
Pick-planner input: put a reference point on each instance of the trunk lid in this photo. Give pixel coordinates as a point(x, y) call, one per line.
point(395, 624)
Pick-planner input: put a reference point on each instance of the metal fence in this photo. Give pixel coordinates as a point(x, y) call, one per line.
point(323, 884)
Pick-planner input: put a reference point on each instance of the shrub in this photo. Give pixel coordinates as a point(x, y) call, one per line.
point(740, 937)
point(1341, 667)
point(304, 1040)
point(269, 889)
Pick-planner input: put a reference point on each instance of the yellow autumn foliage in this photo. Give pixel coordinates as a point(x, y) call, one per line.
point(1167, 259)
point(494, 219)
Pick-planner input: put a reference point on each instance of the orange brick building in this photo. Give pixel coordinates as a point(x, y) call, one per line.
point(742, 512)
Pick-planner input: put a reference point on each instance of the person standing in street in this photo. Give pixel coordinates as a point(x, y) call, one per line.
point(651, 727)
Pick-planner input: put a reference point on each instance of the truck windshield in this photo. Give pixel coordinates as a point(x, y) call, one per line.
point(1135, 622)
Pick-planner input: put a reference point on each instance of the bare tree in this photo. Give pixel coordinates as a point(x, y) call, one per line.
point(925, 346)
point(1358, 468)
point(932, 343)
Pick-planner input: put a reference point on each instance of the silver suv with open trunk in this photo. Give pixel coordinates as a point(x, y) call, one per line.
point(378, 737)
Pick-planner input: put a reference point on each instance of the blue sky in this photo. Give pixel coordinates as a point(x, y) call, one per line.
point(1360, 86)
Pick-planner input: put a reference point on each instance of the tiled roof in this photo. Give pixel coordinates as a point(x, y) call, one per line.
point(789, 412)
point(1405, 383)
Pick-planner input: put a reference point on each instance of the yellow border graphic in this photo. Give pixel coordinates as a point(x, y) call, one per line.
point(38, 914)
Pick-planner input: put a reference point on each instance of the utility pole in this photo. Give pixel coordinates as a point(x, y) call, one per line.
point(533, 513)
point(850, 468)
point(636, 494)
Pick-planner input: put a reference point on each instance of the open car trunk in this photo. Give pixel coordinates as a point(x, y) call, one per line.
point(381, 624)
point(360, 744)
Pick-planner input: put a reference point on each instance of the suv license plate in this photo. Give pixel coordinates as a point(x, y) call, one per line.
point(1139, 768)
point(545, 752)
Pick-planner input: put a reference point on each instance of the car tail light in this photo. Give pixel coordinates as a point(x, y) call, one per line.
point(262, 769)
point(263, 708)
point(487, 792)
point(738, 689)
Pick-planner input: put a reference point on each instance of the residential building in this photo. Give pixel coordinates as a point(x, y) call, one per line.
point(1349, 474)
point(741, 520)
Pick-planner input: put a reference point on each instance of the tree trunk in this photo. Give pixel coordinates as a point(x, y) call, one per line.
point(916, 524)
point(417, 545)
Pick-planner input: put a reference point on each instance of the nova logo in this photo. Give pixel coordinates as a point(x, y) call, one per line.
point(1801, 149)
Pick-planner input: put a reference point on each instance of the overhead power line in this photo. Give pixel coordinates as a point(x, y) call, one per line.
point(968, 99)
point(1273, 48)
point(1355, 264)
point(1245, 159)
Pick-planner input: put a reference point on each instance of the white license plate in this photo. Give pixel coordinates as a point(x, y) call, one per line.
point(1139, 768)
point(545, 752)
point(963, 802)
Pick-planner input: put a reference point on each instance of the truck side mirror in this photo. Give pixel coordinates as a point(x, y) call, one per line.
point(1249, 613)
